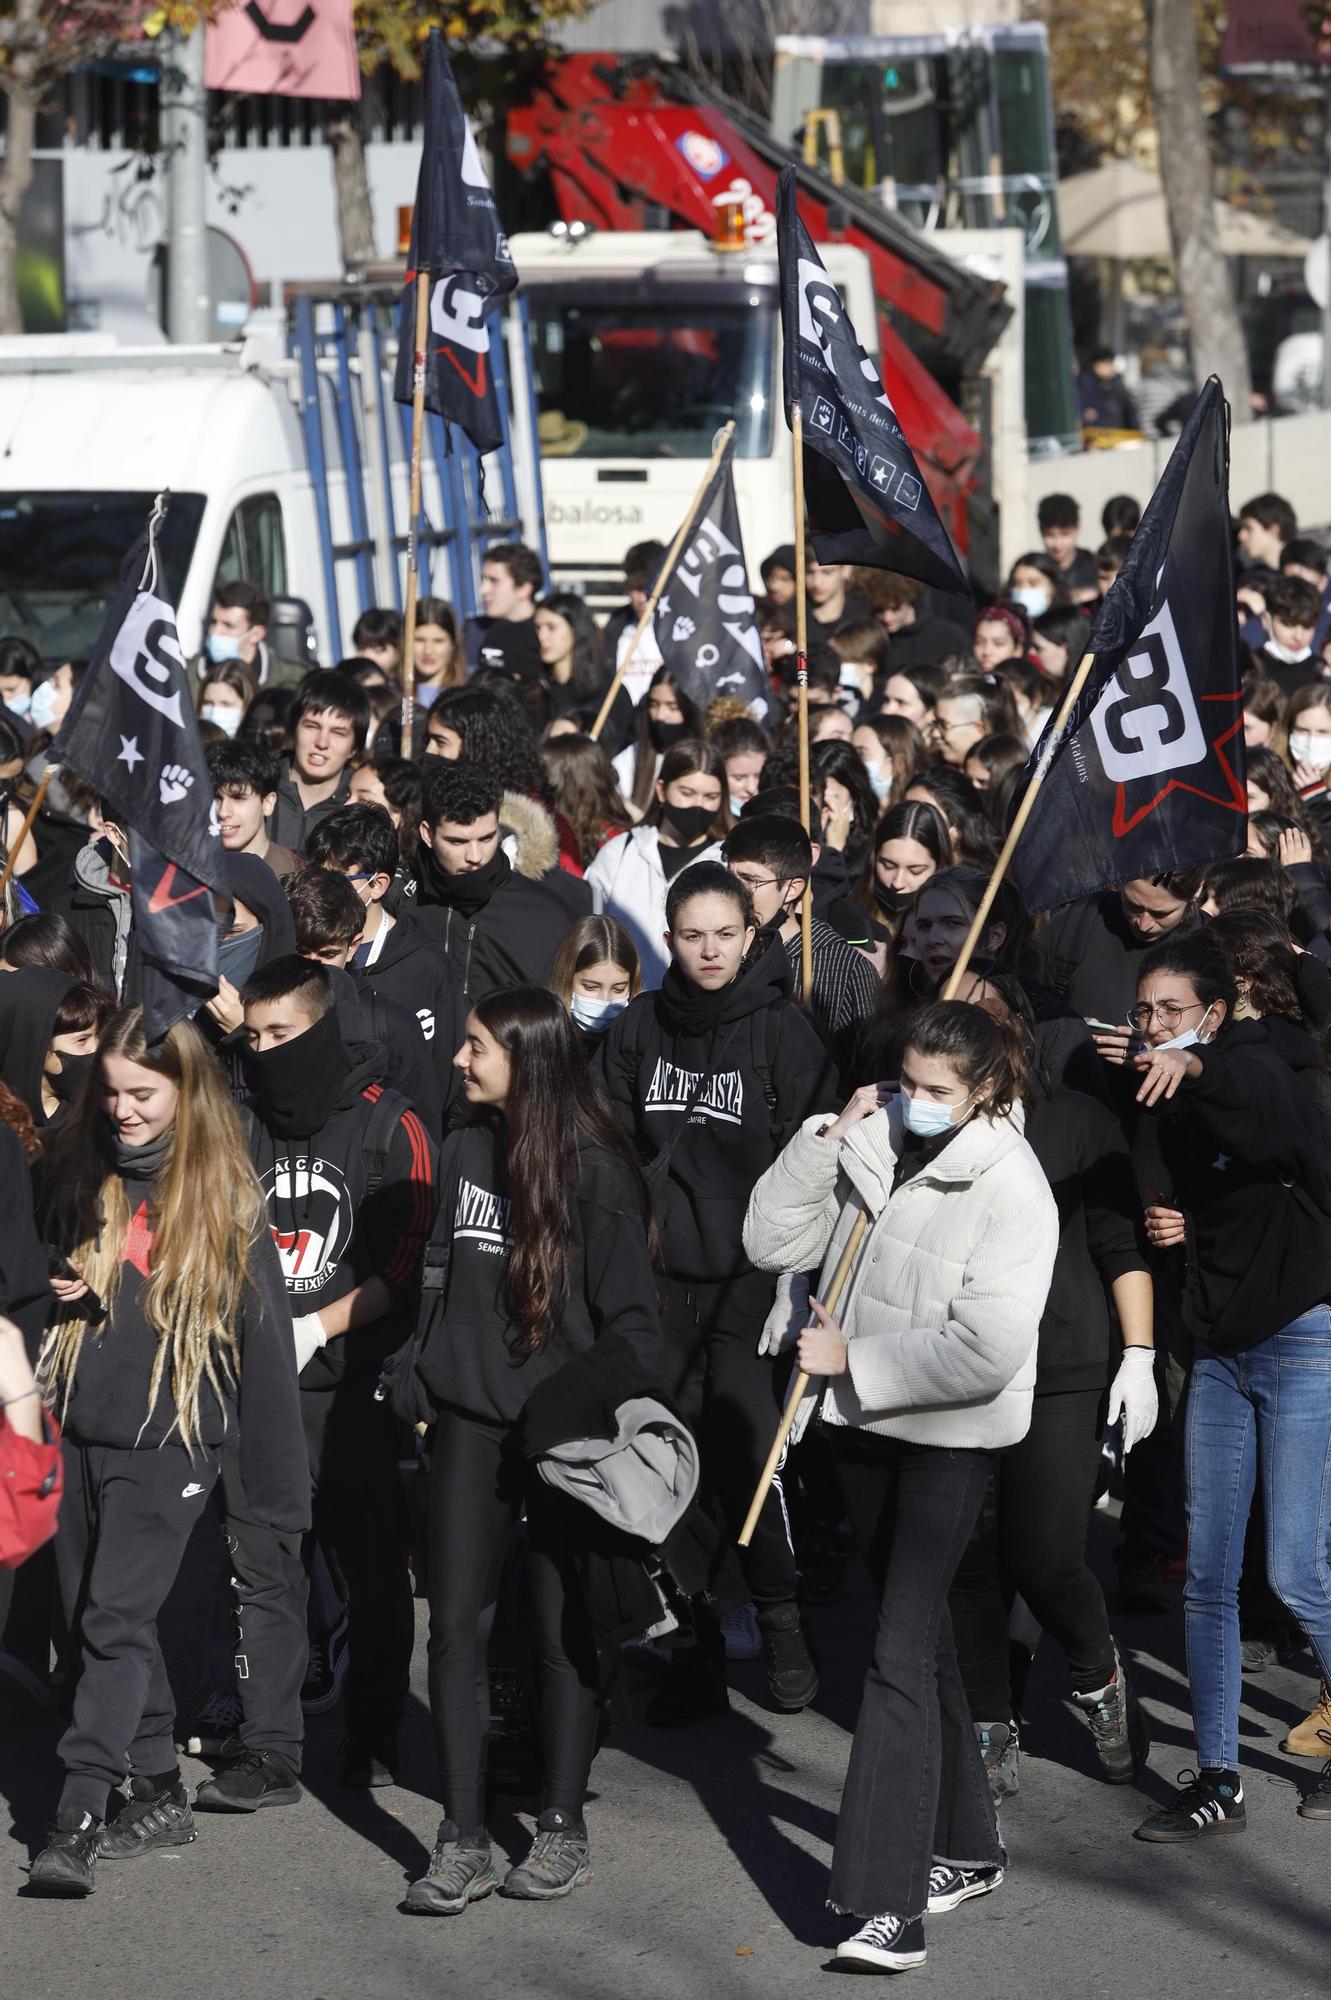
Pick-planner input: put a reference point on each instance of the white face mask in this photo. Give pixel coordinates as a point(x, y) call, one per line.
point(1187, 1038)
point(227, 719)
point(1314, 751)
point(1033, 600)
point(42, 707)
point(595, 1015)
point(1288, 656)
point(928, 1120)
point(20, 701)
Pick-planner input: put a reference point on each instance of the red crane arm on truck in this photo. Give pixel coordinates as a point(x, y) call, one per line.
point(617, 144)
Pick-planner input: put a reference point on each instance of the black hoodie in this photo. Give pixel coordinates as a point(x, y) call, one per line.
point(331, 1231)
point(470, 1357)
point(1244, 1153)
point(759, 1046)
point(509, 940)
point(108, 1402)
point(291, 821)
point(30, 999)
point(412, 969)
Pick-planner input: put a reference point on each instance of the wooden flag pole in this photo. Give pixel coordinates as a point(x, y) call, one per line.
point(802, 699)
point(1015, 831)
point(719, 448)
point(407, 665)
point(33, 811)
point(801, 1382)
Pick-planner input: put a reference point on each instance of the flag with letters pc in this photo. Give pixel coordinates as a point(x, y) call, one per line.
point(131, 732)
point(705, 624)
point(1148, 775)
point(865, 496)
point(457, 238)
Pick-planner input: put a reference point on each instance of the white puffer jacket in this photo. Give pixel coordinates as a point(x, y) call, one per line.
point(943, 1307)
point(627, 881)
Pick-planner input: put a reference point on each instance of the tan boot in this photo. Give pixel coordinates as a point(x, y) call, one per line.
point(1312, 1736)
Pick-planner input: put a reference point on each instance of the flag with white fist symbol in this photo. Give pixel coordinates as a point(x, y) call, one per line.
point(132, 733)
point(706, 627)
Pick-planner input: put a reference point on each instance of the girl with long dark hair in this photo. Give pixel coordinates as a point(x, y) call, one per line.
point(544, 1238)
point(684, 824)
point(712, 1074)
point(572, 655)
point(665, 717)
point(929, 1366)
point(173, 1340)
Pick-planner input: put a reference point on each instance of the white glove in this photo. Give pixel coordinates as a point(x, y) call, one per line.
point(789, 1315)
point(310, 1337)
point(1132, 1396)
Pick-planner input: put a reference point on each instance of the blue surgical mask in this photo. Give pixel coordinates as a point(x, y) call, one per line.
point(1033, 601)
point(20, 701)
point(226, 719)
point(736, 805)
point(928, 1120)
point(1187, 1038)
point(221, 646)
point(595, 1015)
point(881, 780)
point(42, 707)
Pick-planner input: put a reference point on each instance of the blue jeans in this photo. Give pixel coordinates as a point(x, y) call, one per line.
point(1265, 1411)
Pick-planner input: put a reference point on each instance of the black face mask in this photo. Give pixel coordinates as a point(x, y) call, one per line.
point(297, 1083)
point(691, 823)
point(663, 734)
point(465, 893)
point(73, 1075)
point(892, 901)
point(238, 955)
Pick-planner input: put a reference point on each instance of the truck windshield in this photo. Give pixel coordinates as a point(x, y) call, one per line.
point(60, 558)
point(651, 377)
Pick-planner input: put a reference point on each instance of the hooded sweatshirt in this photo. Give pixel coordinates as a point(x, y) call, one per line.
point(30, 999)
point(97, 903)
point(291, 821)
point(471, 1357)
point(331, 1231)
point(496, 928)
point(408, 966)
point(108, 1403)
point(762, 1069)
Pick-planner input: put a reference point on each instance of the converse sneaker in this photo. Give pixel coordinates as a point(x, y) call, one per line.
point(1000, 1747)
point(557, 1862)
point(216, 1733)
point(66, 1863)
point(257, 1778)
point(330, 1656)
point(949, 1887)
point(884, 1944)
point(1312, 1736)
point(792, 1677)
point(739, 1629)
point(1210, 1802)
point(155, 1815)
point(460, 1872)
point(1317, 1803)
point(1119, 1727)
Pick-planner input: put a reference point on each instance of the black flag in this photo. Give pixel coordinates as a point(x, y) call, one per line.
point(705, 625)
point(131, 732)
point(865, 496)
point(456, 237)
point(1149, 774)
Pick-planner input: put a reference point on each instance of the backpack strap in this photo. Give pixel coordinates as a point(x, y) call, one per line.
point(385, 1117)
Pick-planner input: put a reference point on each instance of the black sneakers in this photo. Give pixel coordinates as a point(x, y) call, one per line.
point(330, 1656)
point(1119, 1726)
point(1000, 1748)
point(257, 1778)
point(693, 1690)
point(460, 1872)
point(65, 1865)
point(1141, 1583)
point(792, 1677)
point(950, 1887)
point(153, 1816)
point(557, 1863)
point(1210, 1802)
point(368, 1762)
point(1316, 1804)
point(884, 1944)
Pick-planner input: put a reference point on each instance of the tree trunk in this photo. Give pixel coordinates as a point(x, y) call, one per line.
point(1204, 280)
point(15, 180)
point(351, 182)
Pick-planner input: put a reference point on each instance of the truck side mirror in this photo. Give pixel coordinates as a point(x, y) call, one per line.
point(291, 629)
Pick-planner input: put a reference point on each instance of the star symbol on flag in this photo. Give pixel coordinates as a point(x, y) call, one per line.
point(1218, 786)
point(130, 752)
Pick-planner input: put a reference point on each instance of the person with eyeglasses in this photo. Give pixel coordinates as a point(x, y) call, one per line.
point(971, 707)
point(1236, 1149)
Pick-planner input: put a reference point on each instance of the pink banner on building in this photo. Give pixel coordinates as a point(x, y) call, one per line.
point(284, 48)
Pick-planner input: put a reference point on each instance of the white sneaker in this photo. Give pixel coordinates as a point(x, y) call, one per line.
point(949, 1887)
point(740, 1631)
point(884, 1944)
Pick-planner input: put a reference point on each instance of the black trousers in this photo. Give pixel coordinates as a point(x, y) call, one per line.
point(124, 1523)
point(727, 1395)
point(360, 1514)
point(1031, 1540)
point(271, 1645)
point(479, 1483)
point(915, 1789)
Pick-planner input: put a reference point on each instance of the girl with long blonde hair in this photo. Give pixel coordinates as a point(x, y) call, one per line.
point(172, 1338)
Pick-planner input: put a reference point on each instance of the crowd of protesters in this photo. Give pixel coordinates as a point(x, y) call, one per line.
point(511, 1147)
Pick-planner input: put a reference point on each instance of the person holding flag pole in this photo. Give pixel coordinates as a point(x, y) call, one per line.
point(459, 270)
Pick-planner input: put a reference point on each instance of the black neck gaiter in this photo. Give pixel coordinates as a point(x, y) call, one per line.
point(298, 1083)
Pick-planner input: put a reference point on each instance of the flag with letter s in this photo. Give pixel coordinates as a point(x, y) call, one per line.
point(1148, 774)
